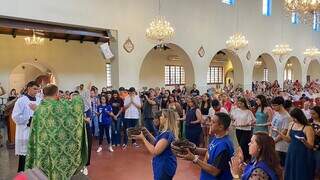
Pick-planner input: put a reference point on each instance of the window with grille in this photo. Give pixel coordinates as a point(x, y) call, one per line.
point(266, 7)
point(229, 2)
point(294, 18)
point(215, 75)
point(108, 73)
point(266, 74)
point(174, 75)
point(288, 74)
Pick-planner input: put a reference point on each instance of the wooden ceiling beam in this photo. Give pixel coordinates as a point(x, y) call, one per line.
point(50, 28)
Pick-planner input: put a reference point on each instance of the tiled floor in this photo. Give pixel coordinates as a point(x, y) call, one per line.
point(131, 163)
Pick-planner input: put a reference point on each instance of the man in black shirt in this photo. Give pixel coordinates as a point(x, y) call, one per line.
point(194, 92)
point(150, 106)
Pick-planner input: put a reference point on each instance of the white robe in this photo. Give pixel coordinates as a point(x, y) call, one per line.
point(21, 114)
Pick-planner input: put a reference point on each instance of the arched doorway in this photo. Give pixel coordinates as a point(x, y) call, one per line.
point(25, 72)
point(313, 72)
point(292, 69)
point(225, 69)
point(168, 66)
point(265, 68)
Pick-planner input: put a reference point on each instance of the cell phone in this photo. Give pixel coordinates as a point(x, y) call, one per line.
point(298, 137)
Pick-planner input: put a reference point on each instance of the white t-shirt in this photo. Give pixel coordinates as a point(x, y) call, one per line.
point(242, 117)
point(212, 111)
point(132, 112)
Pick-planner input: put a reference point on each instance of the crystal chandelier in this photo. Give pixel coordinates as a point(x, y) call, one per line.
point(237, 41)
point(281, 50)
point(34, 40)
point(307, 10)
point(160, 30)
point(312, 52)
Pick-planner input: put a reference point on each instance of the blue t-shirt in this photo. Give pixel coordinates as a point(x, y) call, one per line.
point(166, 162)
point(219, 146)
point(104, 117)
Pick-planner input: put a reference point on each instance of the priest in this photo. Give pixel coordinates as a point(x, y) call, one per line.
point(57, 143)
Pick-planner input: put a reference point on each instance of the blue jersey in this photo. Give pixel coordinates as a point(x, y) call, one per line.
point(166, 162)
point(216, 147)
point(104, 117)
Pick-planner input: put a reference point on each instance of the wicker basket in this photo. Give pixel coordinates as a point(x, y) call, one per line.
point(136, 131)
point(181, 147)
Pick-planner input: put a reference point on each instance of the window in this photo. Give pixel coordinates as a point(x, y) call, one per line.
point(215, 75)
point(288, 74)
point(174, 75)
point(229, 2)
point(266, 7)
point(265, 74)
point(108, 73)
point(294, 18)
point(316, 22)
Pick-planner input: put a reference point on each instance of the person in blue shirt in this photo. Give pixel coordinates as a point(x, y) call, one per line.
point(164, 162)
point(220, 150)
point(105, 119)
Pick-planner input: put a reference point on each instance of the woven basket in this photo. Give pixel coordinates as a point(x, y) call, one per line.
point(136, 131)
point(181, 147)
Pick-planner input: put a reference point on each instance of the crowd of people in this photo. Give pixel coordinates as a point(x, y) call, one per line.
point(277, 130)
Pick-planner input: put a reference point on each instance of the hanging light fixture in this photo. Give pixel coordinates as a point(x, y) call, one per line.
point(160, 30)
point(281, 49)
point(289, 64)
point(34, 40)
point(312, 52)
point(258, 63)
point(237, 41)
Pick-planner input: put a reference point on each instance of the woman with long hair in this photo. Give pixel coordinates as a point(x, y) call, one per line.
point(204, 108)
point(193, 121)
point(164, 162)
point(176, 107)
point(264, 164)
point(243, 121)
point(300, 157)
point(263, 114)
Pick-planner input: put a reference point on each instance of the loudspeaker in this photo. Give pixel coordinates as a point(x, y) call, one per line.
point(105, 49)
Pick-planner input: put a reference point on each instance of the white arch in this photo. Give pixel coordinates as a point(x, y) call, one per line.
point(152, 67)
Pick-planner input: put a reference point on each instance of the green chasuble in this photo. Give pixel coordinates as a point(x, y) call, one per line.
point(58, 143)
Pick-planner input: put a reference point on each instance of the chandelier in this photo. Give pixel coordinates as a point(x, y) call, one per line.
point(258, 63)
point(289, 64)
point(34, 40)
point(237, 41)
point(312, 52)
point(307, 10)
point(281, 50)
point(160, 30)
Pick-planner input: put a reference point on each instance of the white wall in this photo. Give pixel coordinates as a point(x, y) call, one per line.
point(72, 63)
point(206, 22)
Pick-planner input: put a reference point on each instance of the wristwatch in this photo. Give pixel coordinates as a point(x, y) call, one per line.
point(196, 158)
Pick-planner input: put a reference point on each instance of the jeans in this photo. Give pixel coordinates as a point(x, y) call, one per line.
point(148, 123)
point(127, 124)
point(94, 125)
point(104, 128)
point(116, 132)
point(243, 138)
